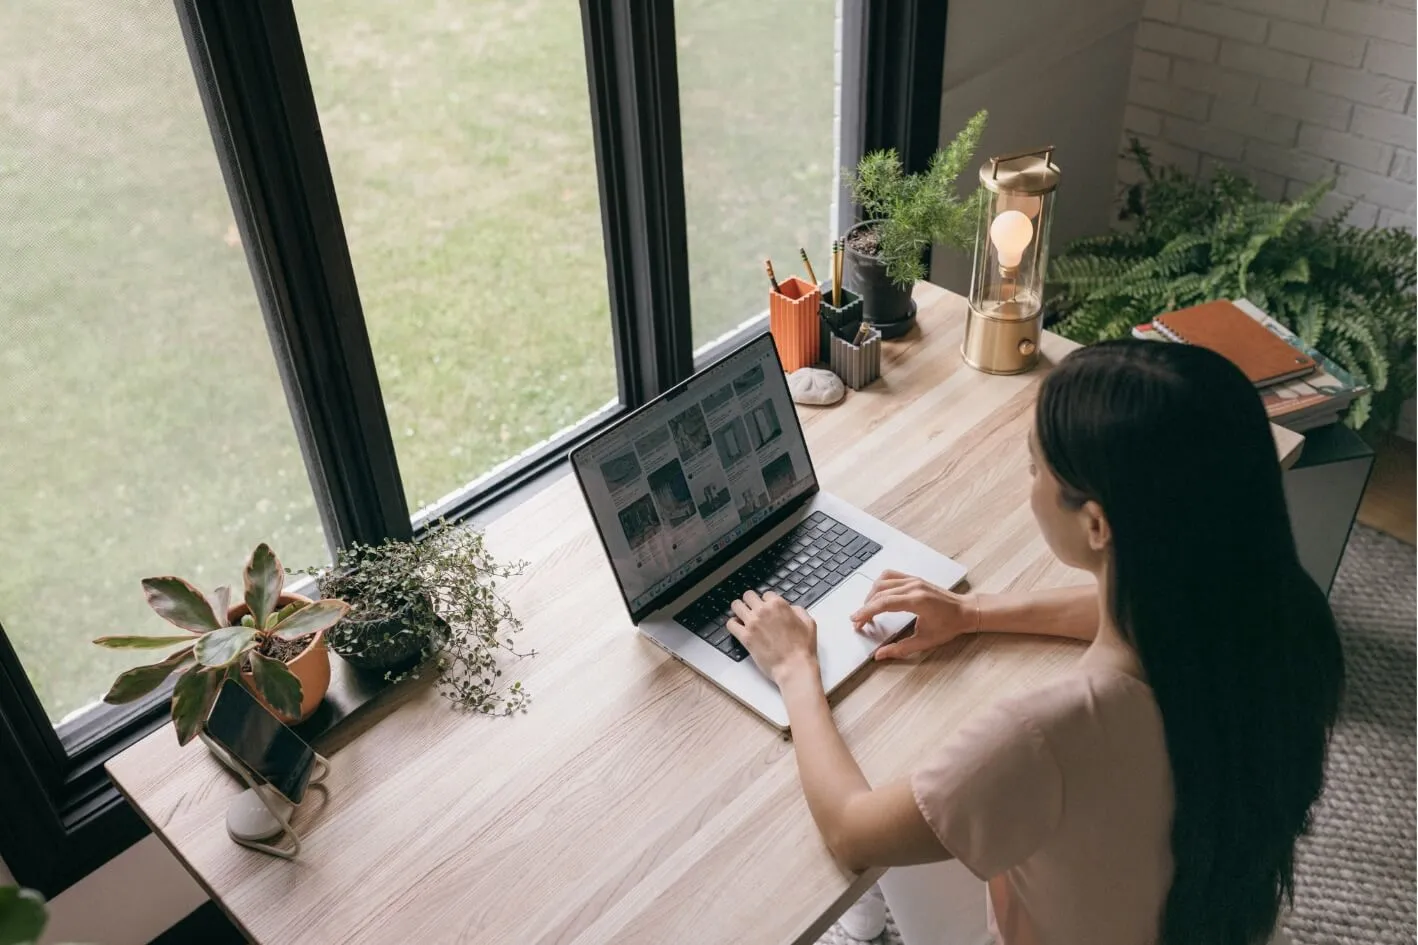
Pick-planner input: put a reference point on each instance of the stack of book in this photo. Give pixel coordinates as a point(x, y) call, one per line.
point(1300, 387)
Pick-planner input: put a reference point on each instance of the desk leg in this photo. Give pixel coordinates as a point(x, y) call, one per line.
point(1323, 491)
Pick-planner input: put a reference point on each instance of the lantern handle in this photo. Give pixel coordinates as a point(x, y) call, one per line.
point(1047, 150)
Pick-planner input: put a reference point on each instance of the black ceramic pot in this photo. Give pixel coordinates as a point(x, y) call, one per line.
point(885, 304)
point(386, 644)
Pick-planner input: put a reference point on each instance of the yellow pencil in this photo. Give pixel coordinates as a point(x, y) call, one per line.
point(837, 274)
point(811, 276)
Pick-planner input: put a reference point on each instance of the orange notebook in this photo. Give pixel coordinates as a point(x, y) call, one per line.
point(1245, 342)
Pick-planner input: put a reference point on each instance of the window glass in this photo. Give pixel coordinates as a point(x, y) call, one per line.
point(757, 93)
point(143, 427)
point(460, 140)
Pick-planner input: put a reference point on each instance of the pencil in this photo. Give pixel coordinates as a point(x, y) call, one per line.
point(862, 333)
point(811, 276)
point(836, 273)
point(768, 264)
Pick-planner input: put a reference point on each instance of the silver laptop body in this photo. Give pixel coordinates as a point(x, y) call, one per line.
point(710, 486)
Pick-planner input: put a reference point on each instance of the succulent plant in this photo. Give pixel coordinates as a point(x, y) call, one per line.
point(212, 651)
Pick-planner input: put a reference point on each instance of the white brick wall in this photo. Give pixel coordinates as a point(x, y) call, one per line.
point(1286, 92)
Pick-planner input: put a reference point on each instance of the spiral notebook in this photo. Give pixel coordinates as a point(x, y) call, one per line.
point(1243, 341)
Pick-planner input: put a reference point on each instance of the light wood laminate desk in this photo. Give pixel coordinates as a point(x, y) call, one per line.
point(635, 803)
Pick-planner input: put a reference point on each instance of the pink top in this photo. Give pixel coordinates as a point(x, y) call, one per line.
point(1061, 800)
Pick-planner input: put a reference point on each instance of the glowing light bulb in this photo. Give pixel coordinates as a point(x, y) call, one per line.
point(1011, 233)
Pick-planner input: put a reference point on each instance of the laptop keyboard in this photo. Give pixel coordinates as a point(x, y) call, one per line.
point(803, 565)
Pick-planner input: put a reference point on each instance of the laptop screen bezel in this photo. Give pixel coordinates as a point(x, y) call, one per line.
point(743, 541)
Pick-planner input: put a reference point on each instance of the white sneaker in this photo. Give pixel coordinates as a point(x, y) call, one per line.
point(866, 919)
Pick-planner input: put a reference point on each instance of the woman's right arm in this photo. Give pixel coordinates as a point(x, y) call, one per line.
point(1059, 612)
point(941, 615)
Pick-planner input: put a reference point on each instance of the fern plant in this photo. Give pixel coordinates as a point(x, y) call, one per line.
point(1348, 292)
point(915, 210)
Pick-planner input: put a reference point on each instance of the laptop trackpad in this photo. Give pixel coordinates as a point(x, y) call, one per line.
point(841, 649)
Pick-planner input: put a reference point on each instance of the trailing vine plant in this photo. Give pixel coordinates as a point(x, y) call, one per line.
point(444, 590)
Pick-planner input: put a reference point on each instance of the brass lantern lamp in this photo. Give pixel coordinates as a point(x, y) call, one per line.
point(1011, 257)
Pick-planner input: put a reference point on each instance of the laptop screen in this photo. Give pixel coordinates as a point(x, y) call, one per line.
point(682, 478)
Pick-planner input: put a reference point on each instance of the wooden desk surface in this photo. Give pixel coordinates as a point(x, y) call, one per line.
point(635, 803)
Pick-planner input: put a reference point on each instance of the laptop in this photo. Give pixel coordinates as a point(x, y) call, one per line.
point(708, 491)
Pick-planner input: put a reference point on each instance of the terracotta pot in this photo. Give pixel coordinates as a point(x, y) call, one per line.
point(311, 667)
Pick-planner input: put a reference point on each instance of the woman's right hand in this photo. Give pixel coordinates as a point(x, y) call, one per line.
point(940, 615)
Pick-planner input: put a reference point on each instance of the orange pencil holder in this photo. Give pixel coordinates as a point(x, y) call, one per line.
point(793, 320)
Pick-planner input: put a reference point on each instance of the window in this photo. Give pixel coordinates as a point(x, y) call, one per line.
point(463, 159)
point(757, 95)
point(510, 251)
point(144, 426)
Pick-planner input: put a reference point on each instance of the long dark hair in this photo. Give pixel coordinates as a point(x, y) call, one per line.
point(1237, 641)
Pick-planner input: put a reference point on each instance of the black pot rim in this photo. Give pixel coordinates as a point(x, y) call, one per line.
point(854, 228)
point(405, 645)
point(396, 615)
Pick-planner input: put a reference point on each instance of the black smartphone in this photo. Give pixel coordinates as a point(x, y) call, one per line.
point(257, 739)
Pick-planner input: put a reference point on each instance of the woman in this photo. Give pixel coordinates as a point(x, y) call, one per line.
point(1153, 792)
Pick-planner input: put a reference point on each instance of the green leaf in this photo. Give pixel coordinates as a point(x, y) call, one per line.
point(291, 608)
point(223, 646)
point(220, 599)
point(141, 680)
point(142, 643)
point(276, 684)
point(1297, 271)
point(264, 579)
point(320, 615)
point(192, 700)
point(180, 604)
point(22, 916)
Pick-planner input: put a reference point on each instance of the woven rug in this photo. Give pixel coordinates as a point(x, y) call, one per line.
point(1355, 871)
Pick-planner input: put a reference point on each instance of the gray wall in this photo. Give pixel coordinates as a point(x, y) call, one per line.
point(1049, 72)
point(129, 901)
point(1287, 92)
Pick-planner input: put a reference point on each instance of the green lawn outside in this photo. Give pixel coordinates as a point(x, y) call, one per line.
point(143, 428)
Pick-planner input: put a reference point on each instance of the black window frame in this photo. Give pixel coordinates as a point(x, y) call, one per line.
point(63, 816)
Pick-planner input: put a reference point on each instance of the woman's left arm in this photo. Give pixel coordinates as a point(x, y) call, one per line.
point(862, 826)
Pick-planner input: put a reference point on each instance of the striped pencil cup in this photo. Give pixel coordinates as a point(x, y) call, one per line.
point(793, 320)
point(857, 366)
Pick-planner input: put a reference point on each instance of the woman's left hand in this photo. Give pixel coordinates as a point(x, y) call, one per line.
point(779, 636)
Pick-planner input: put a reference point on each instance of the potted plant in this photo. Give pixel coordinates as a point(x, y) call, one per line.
point(272, 642)
point(1346, 291)
point(23, 916)
point(905, 214)
point(392, 623)
point(428, 605)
